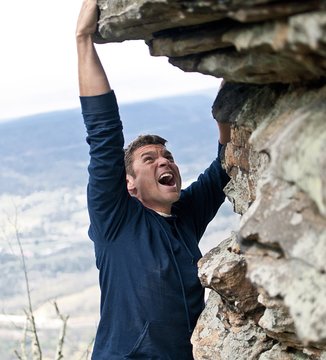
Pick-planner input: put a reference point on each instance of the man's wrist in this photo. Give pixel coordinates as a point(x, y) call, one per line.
point(225, 132)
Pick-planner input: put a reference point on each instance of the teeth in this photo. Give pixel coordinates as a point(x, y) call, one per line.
point(165, 175)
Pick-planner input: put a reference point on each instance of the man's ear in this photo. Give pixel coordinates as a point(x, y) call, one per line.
point(131, 185)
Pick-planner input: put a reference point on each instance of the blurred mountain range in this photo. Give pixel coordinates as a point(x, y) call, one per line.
point(47, 151)
point(42, 201)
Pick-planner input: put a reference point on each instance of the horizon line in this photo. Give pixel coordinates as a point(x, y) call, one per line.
point(121, 102)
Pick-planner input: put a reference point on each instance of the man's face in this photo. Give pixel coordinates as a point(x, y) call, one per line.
point(156, 181)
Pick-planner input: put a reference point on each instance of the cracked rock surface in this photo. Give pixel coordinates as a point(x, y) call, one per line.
point(268, 281)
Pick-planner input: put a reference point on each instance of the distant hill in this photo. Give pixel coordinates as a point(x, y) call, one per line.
point(47, 151)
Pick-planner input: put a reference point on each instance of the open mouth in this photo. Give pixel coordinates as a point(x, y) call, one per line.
point(167, 179)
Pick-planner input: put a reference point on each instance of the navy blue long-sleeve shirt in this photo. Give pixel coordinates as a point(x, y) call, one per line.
point(151, 296)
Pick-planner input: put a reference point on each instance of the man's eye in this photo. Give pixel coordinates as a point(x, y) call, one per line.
point(148, 159)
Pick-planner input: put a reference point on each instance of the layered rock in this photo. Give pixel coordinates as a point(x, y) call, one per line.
point(276, 161)
point(268, 282)
point(257, 41)
point(228, 326)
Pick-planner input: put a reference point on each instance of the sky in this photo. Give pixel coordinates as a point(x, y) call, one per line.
point(38, 62)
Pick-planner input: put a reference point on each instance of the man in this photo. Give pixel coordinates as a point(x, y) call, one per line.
point(144, 227)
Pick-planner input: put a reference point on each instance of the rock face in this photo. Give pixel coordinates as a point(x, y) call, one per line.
point(268, 281)
point(256, 41)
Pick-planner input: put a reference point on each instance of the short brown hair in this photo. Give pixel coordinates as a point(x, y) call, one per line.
point(141, 140)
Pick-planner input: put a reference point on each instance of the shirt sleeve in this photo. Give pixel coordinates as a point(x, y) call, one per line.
point(200, 201)
point(106, 191)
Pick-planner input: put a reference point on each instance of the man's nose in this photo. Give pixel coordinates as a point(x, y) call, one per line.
point(163, 161)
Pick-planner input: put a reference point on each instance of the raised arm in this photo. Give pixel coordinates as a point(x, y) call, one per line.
point(92, 78)
point(107, 195)
point(203, 197)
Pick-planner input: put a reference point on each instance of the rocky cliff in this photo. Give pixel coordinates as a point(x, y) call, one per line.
point(268, 280)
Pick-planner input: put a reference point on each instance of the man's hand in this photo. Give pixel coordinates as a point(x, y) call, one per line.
point(223, 127)
point(87, 20)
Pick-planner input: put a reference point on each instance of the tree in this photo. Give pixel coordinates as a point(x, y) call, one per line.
point(30, 331)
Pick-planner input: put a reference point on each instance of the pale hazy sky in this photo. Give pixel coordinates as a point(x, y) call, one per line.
point(38, 63)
